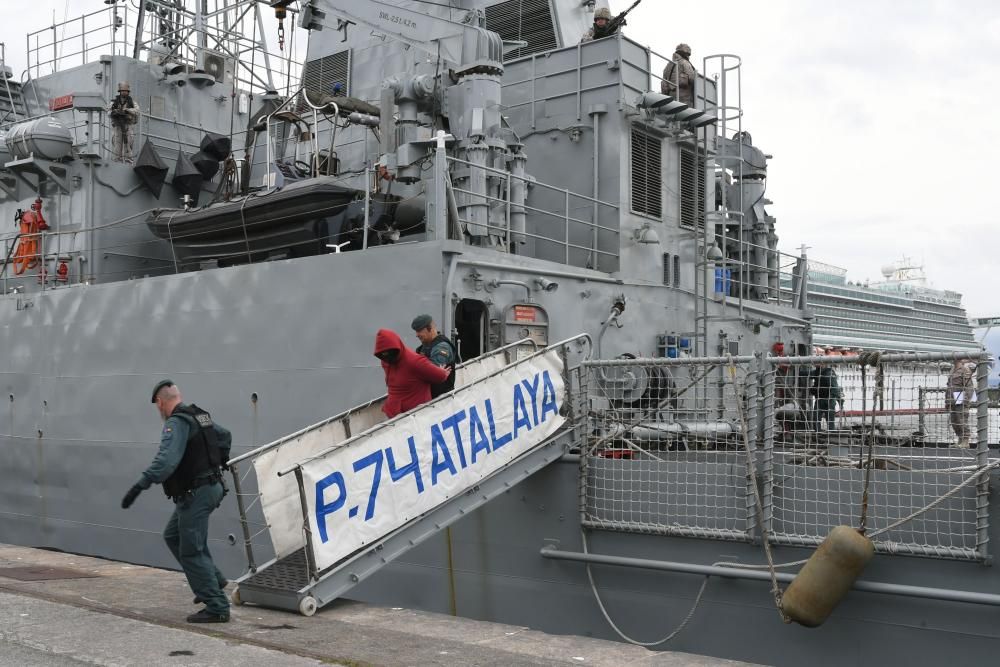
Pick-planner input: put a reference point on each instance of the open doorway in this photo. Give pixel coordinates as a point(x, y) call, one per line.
point(471, 328)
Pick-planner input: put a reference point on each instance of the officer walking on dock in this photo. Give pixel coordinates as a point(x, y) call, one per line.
point(192, 450)
point(439, 349)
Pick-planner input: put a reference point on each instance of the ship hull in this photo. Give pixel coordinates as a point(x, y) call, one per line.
point(79, 430)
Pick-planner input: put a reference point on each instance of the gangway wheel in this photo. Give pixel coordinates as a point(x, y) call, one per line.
point(237, 600)
point(307, 606)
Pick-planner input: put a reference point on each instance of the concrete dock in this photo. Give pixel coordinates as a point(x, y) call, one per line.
point(63, 609)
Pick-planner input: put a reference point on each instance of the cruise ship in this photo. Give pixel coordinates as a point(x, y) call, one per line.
point(901, 312)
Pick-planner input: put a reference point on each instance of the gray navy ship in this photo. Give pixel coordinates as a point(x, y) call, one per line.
point(253, 223)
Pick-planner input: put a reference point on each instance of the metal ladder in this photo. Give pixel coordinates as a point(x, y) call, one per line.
point(295, 583)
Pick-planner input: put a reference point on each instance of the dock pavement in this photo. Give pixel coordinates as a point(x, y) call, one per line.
point(68, 610)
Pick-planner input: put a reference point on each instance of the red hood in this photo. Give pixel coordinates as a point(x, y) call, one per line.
point(387, 339)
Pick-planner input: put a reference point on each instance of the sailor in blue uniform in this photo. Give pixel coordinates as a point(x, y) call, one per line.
point(192, 450)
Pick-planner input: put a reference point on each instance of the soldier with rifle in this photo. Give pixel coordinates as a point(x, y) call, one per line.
point(605, 25)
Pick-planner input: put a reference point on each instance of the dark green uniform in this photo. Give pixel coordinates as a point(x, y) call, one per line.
point(186, 533)
point(442, 353)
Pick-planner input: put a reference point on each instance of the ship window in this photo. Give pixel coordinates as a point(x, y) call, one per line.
point(320, 75)
point(667, 269)
point(523, 21)
point(692, 172)
point(647, 173)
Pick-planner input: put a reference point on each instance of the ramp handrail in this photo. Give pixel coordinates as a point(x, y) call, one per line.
point(234, 463)
point(346, 413)
point(389, 422)
point(313, 569)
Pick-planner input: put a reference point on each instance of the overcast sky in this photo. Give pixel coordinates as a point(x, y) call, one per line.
point(877, 113)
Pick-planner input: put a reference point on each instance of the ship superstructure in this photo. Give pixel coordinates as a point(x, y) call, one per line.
point(474, 161)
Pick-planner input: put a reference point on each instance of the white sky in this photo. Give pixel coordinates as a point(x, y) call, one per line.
point(877, 113)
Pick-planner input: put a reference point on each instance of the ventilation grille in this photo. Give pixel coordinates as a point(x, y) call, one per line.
point(666, 269)
point(647, 174)
point(523, 20)
point(692, 189)
point(321, 74)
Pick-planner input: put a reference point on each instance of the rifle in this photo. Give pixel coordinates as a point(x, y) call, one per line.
point(618, 21)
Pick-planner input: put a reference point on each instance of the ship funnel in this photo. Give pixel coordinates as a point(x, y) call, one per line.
point(187, 179)
point(149, 169)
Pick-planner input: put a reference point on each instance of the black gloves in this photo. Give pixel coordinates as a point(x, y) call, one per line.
point(130, 497)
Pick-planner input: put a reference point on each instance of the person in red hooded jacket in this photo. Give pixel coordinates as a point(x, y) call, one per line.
point(408, 375)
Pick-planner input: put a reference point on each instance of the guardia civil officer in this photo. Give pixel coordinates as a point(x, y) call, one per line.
point(439, 349)
point(192, 450)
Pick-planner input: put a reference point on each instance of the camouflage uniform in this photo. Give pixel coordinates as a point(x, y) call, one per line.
point(124, 113)
point(679, 76)
point(960, 394)
point(595, 32)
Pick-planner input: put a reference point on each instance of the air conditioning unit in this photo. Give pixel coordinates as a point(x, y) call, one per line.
point(215, 65)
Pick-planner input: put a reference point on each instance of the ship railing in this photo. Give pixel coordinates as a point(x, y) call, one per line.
point(895, 444)
point(891, 442)
point(80, 40)
point(582, 240)
point(53, 250)
point(664, 452)
point(769, 275)
point(280, 520)
point(233, 32)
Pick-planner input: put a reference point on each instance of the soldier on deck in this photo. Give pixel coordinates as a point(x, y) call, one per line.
point(602, 17)
point(960, 394)
point(679, 76)
point(124, 115)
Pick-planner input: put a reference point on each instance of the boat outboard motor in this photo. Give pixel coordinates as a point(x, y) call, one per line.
point(206, 164)
point(216, 146)
point(187, 179)
point(149, 169)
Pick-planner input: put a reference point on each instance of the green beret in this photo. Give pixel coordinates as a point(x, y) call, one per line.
point(160, 385)
point(421, 321)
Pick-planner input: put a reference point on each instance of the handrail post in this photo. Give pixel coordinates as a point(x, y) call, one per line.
point(310, 563)
point(368, 200)
point(234, 470)
point(566, 217)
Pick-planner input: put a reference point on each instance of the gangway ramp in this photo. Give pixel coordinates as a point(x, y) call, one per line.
point(345, 497)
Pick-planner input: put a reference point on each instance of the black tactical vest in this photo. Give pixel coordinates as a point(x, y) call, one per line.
point(201, 453)
point(449, 384)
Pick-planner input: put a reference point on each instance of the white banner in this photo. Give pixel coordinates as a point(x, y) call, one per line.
point(381, 481)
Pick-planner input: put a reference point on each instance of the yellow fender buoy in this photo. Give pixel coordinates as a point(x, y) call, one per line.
point(827, 576)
